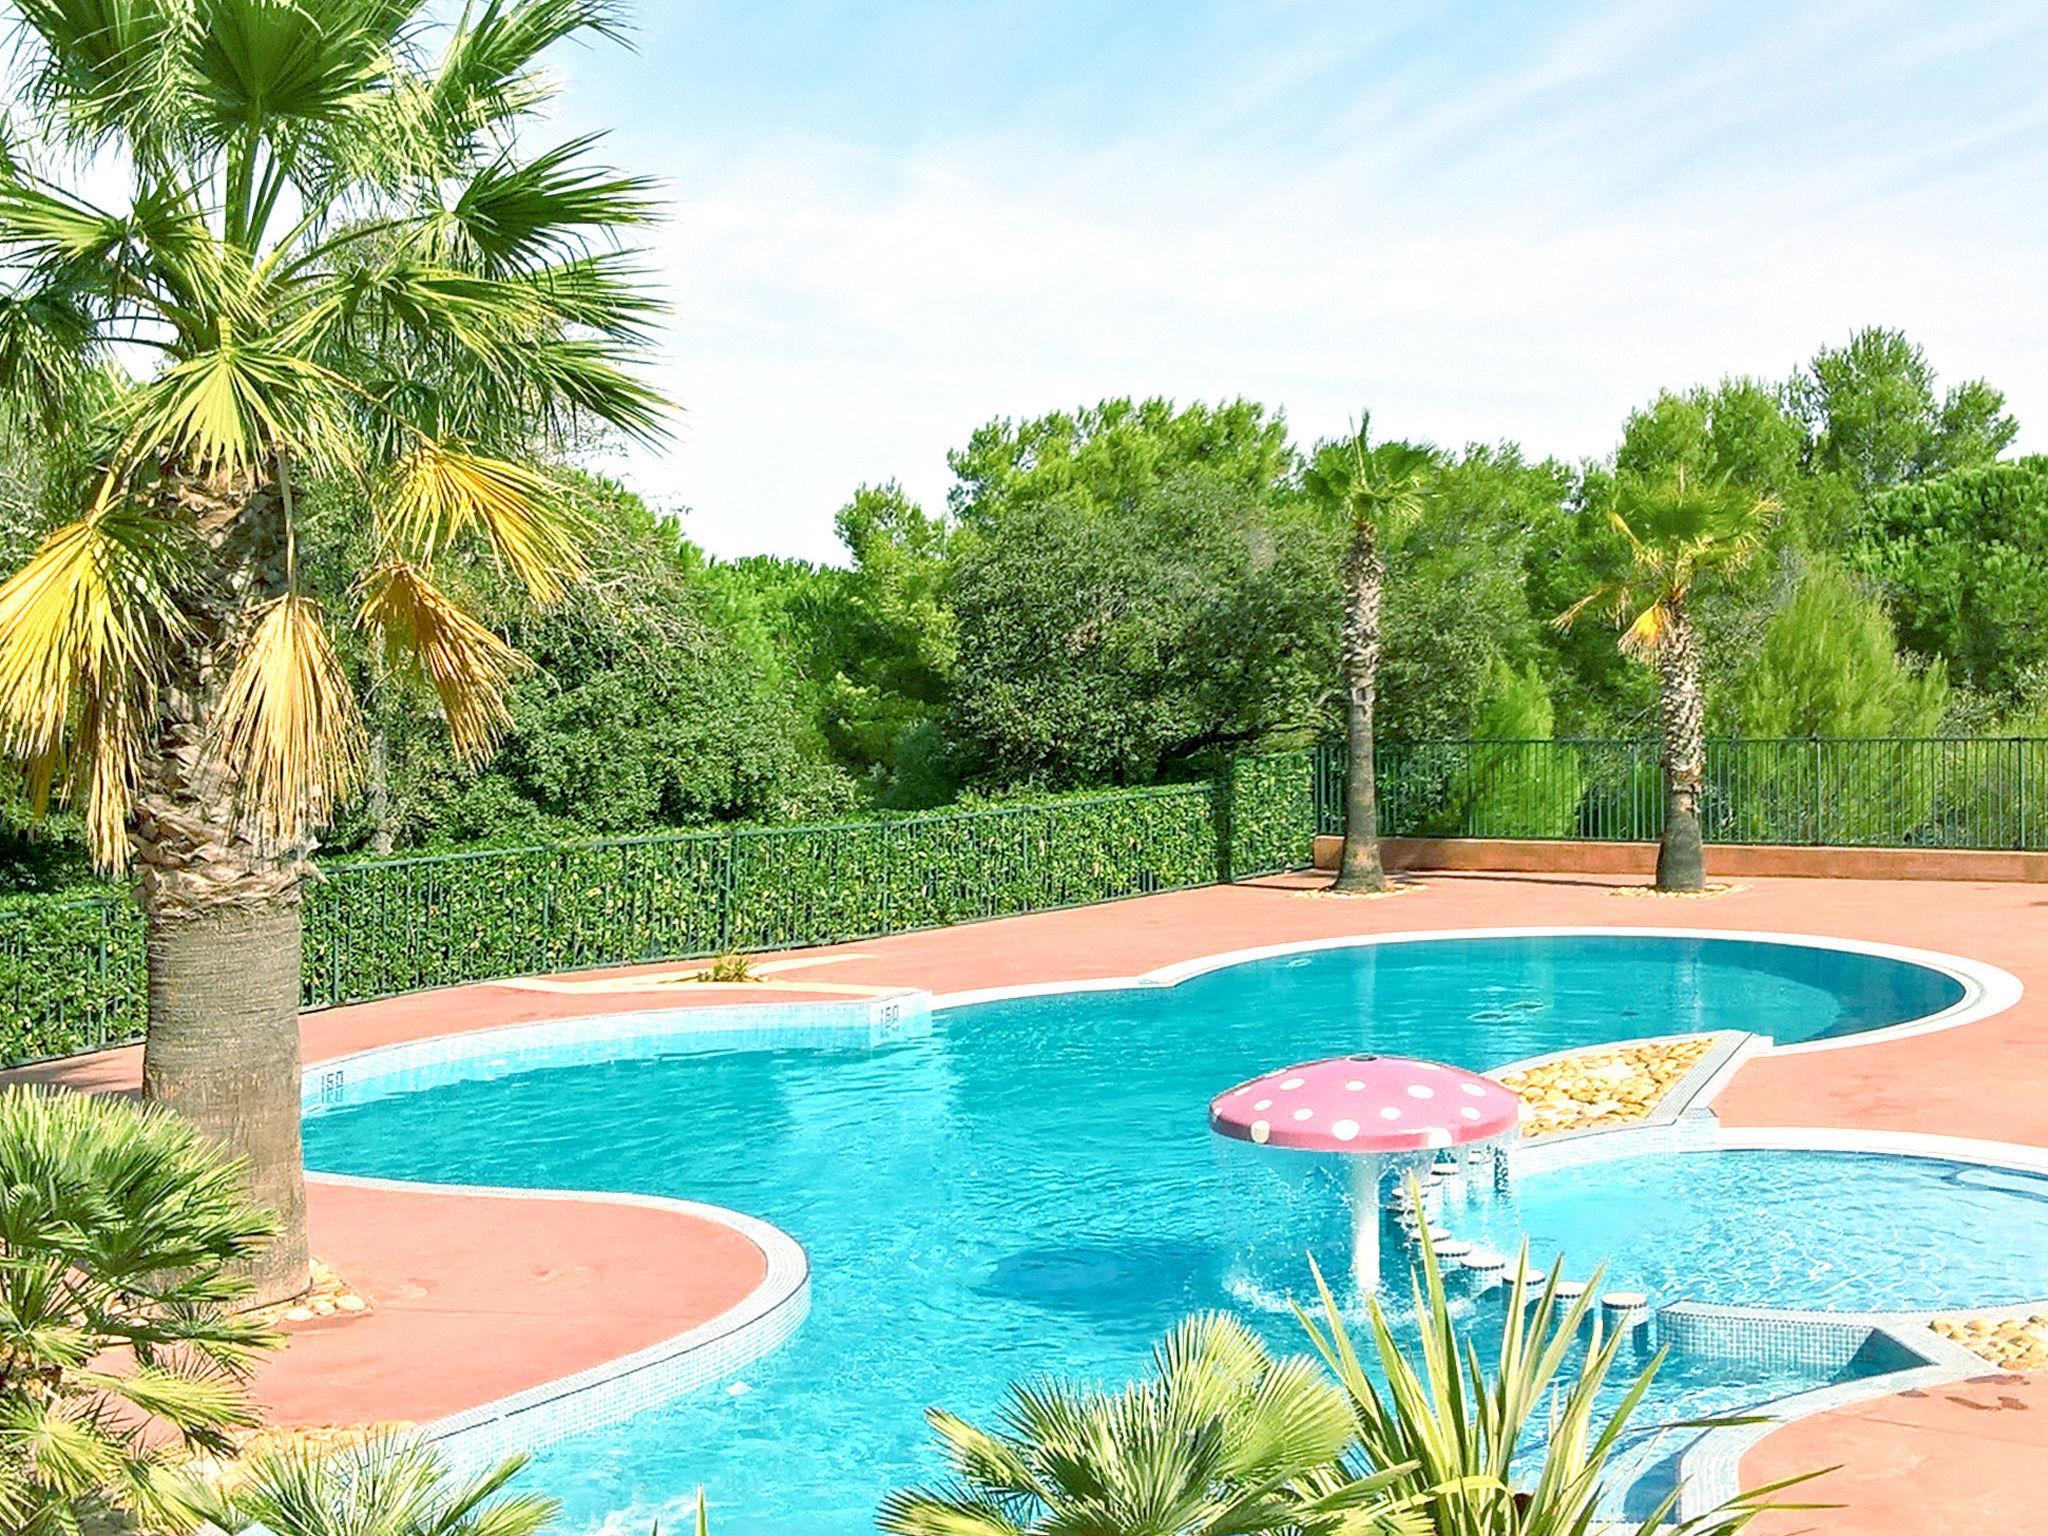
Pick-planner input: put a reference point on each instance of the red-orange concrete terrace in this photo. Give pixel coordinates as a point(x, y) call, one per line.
point(474, 1298)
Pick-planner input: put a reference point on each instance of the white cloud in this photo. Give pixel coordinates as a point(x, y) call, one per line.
point(1525, 256)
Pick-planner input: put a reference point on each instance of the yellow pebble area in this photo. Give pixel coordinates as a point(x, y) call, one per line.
point(2013, 1343)
point(1596, 1089)
point(328, 1295)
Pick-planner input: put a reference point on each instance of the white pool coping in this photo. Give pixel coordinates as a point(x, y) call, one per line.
point(1987, 990)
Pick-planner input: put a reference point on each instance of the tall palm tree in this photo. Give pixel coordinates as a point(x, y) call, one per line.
point(1681, 530)
point(1221, 1440)
point(334, 266)
point(1381, 493)
point(120, 1233)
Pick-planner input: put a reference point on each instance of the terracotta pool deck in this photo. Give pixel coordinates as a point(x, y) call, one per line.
point(473, 1298)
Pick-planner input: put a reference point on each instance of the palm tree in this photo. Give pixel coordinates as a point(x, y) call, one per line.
point(1381, 493)
point(1681, 530)
point(335, 272)
point(380, 1488)
point(1221, 1440)
point(121, 1232)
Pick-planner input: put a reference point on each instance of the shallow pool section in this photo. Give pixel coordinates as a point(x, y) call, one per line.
point(1809, 1230)
point(1031, 1187)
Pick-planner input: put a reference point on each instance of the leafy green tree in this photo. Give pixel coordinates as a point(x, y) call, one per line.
point(1377, 495)
point(1875, 419)
point(1830, 666)
point(889, 647)
point(340, 259)
point(124, 1244)
point(1220, 1440)
point(1739, 428)
point(1463, 598)
point(643, 709)
point(381, 1488)
point(1962, 561)
point(1110, 455)
point(1521, 786)
point(1117, 644)
point(1682, 533)
point(1133, 586)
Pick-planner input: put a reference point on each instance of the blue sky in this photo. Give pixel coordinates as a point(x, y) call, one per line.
point(893, 221)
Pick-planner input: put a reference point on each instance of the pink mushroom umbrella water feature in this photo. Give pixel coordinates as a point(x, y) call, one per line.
point(1376, 1109)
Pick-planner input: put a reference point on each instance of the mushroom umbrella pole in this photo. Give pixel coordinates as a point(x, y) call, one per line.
point(1369, 1109)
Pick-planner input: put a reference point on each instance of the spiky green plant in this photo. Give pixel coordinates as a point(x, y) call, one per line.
point(120, 1234)
point(389, 1487)
point(1515, 1446)
point(1222, 1439)
point(332, 258)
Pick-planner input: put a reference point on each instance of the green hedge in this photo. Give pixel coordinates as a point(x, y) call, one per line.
point(71, 973)
point(1270, 813)
point(72, 969)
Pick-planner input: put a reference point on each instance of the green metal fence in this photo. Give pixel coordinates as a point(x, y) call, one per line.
point(71, 970)
point(1930, 792)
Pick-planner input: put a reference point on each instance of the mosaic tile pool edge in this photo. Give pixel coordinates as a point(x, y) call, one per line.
point(439, 1060)
point(615, 1390)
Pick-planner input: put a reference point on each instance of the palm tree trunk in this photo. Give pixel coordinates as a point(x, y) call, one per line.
point(223, 1051)
point(378, 792)
point(1365, 574)
point(220, 911)
point(1681, 858)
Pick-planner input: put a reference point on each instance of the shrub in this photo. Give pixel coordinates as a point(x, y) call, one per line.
point(380, 1488)
point(120, 1235)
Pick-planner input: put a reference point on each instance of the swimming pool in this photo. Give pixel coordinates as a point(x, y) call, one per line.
point(1030, 1188)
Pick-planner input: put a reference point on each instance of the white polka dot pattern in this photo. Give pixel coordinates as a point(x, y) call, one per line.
point(1365, 1104)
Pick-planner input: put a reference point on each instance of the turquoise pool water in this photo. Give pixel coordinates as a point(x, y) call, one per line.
point(1820, 1231)
point(1031, 1188)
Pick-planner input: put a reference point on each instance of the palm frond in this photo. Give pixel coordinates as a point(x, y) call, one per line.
point(95, 67)
point(439, 492)
point(607, 293)
point(227, 410)
point(50, 357)
point(387, 1487)
point(469, 668)
point(262, 67)
point(287, 728)
point(513, 215)
point(1221, 1440)
point(489, 73)
point(112, 1216)
point(85, 630)
point(1644, 635)
point(580, 375)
